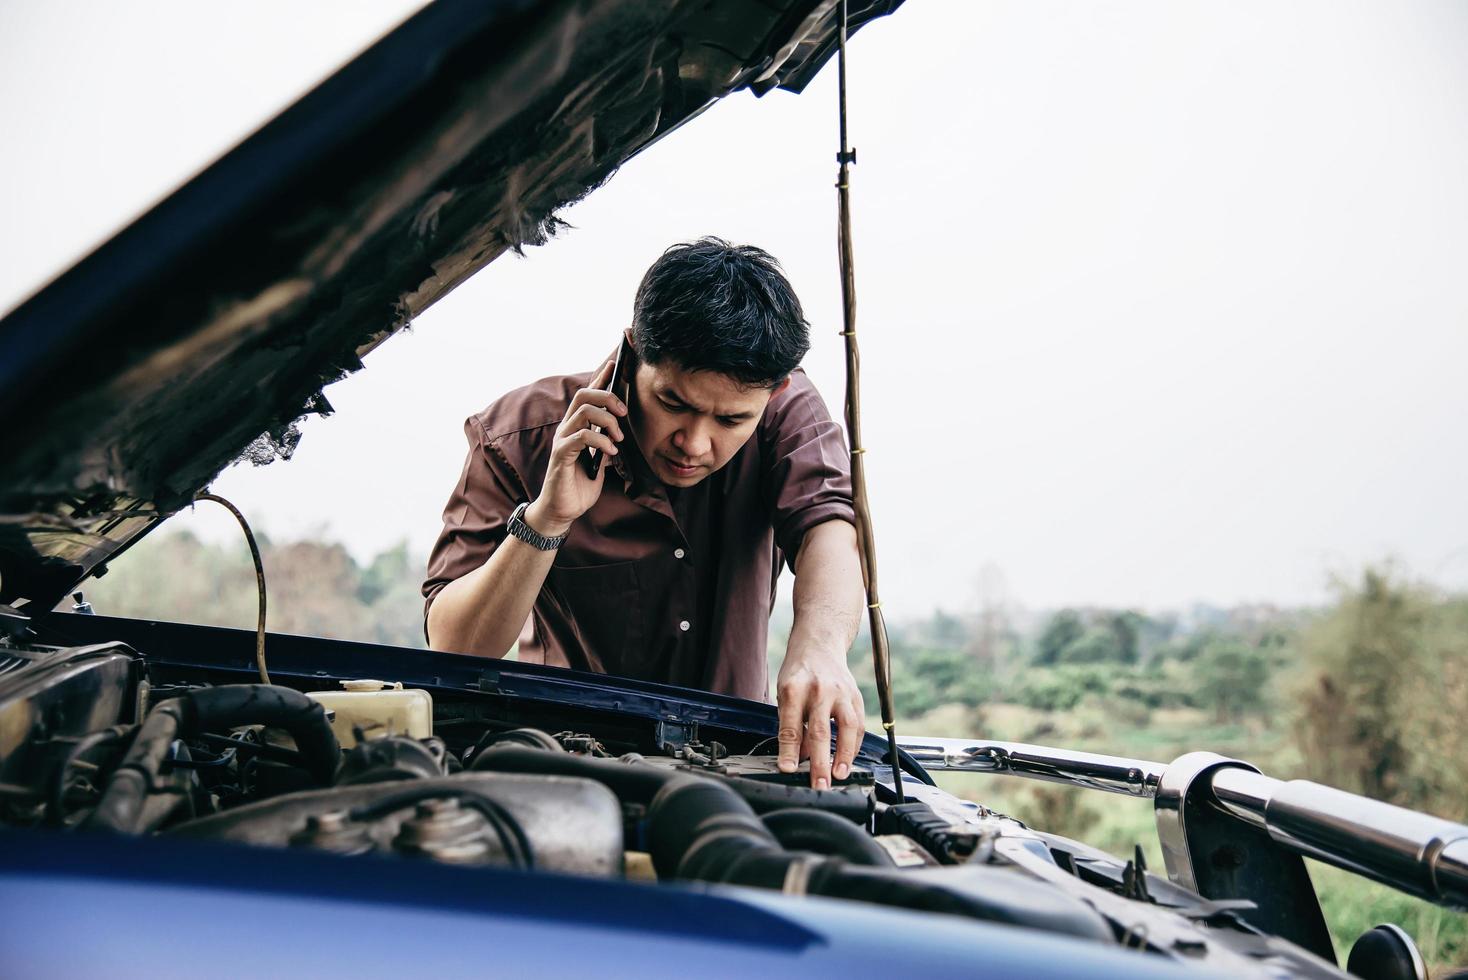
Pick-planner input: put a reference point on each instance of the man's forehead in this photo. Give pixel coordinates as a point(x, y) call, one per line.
point(709, 391)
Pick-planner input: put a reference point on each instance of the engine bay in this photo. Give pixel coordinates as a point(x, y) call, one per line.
point(99, 740)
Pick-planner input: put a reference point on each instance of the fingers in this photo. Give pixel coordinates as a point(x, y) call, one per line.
point(572, 444)
point(601, 399)
point(587, 415)
point(603, 376)
point(792, 726)
point(818, 743)
point(849, 725)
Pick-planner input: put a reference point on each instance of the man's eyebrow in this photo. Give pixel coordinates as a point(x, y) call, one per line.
point(670, 394)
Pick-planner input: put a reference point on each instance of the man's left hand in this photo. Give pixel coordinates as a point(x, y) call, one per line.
point(814, 687)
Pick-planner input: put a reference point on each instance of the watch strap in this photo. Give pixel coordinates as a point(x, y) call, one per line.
point(530, 535)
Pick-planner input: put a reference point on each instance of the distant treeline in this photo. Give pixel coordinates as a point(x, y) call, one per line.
point(315, 588)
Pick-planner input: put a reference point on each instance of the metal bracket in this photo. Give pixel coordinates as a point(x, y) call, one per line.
point(14, 624)
point(1220, 856)
point(673, 735)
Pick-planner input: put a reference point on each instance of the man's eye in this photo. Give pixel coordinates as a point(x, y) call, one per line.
point(727, 422)
point(669, 406)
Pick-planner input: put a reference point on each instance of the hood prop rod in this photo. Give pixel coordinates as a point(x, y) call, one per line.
point(866, 537)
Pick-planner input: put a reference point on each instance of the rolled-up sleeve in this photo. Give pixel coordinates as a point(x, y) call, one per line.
point(475, 517)
point(808, 477)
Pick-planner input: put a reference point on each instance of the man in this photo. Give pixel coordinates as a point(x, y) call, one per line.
point(721, 462)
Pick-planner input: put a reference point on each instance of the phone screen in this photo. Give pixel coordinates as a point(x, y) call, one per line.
point(591, 458)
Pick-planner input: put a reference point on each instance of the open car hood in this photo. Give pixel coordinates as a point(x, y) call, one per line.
point(202, 331)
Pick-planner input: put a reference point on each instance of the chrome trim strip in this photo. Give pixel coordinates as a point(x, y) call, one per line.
point(1413, 852)
point(1108, 773)
point(1416, 853)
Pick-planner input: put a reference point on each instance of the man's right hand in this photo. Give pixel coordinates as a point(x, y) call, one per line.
point(568, 492)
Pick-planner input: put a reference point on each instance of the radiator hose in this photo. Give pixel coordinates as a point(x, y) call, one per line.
point(123, 808)
point(826, 833)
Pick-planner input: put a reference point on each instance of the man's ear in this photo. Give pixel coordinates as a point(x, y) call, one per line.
point(780, 387)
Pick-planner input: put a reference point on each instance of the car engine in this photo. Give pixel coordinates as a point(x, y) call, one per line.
point(95, 740)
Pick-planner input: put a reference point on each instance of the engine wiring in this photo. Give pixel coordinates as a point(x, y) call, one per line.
point(259, 578)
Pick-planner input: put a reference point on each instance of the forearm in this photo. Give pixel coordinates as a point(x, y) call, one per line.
point(482, 612)
point(829, 595)
point(815, 686)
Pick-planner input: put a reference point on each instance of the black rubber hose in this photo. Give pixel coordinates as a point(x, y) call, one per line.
point(698, 834)
point(767, 797)
point(682, 808)
point(121, 809)
point(630, 783)
point(637, 783)
point(234, 705)
point(700, 829)
point(532, 737)
point(825, 833)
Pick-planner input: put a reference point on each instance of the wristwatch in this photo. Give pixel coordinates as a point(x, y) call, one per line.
point(530, 535)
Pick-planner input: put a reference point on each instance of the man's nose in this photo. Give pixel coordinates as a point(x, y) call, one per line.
point(693, 441)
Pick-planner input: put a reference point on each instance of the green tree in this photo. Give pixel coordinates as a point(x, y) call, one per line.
point(1364, 658)
point(1097, 645)
point(1127, 627)
point(1064, 628)
point(1232, 677)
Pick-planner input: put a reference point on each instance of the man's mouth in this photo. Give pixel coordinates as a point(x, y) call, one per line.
point(679, 469)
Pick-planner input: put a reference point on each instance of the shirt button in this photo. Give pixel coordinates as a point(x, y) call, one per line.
point(685, 626)
point(678, 552)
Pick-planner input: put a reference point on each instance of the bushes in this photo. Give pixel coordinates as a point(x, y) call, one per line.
point(1232, 679)
point(1060, 688)
point(1383, 695)
point(923, 679)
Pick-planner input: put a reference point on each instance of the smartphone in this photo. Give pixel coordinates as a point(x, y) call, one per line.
point(591, 458)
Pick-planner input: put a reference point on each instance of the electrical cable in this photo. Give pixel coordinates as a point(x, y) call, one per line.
point(259, 579)
point(271, 752)
point(866, 537)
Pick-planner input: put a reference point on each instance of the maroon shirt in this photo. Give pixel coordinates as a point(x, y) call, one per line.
point(658, 583)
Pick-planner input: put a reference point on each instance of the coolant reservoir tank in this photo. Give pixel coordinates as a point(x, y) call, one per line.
point(377, 708)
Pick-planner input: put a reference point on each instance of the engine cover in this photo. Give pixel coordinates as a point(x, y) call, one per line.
point(573, 825)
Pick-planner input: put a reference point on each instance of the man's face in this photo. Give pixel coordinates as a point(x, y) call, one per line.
point(690, 423)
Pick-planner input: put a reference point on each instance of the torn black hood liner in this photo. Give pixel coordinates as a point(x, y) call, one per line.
point(130, 381)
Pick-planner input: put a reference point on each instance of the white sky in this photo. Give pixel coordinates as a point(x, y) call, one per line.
point(1160, 302)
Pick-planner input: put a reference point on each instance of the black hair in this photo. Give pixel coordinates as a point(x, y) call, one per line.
point(712, 306)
